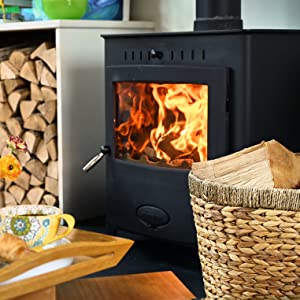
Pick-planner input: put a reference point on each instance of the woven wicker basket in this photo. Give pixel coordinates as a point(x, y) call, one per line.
point(248, 241)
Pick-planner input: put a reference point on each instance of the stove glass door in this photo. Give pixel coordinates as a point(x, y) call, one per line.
point(167, 116)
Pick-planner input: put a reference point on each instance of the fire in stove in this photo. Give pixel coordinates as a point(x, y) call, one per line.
point(161, 124)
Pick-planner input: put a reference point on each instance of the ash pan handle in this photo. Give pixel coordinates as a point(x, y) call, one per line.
point(92, 163)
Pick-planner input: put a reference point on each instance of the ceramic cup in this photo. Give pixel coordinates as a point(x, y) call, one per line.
point(37, 225)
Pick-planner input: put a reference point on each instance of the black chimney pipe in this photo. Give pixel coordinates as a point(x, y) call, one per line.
point(218, 15)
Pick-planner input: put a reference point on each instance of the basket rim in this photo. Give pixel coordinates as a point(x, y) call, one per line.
point(248, 197)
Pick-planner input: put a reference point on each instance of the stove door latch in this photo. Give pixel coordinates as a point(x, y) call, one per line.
point(103, 150)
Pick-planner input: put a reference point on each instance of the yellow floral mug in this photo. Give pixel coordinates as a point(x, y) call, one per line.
point(37, 225)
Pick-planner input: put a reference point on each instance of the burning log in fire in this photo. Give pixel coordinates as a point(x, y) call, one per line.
point(165, 123)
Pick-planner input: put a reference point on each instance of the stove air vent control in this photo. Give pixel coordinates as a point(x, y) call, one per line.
point(156, 54)
point(152, 216)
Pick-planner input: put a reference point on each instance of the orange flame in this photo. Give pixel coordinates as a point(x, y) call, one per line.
point(165, 124)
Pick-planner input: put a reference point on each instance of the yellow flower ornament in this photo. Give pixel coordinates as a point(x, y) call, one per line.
point(10, 167)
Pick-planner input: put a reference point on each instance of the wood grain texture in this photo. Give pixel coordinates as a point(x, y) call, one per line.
point(268, 164)
point(144, 286)
point(99, 251)
point(45, 294)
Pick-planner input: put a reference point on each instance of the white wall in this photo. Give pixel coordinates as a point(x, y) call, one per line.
point(179, 15)
point(168, 15)
point(271, 14)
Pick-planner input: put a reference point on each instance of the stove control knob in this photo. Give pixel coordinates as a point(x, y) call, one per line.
point(156, 54)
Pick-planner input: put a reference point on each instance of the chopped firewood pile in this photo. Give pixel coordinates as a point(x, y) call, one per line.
point(28, 109)
point(265, 165)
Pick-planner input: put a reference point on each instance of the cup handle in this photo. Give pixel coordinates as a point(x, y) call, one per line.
point(70, 222)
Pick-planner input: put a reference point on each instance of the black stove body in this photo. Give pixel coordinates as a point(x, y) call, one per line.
point(253, 79)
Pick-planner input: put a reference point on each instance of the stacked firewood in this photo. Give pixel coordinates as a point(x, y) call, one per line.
point(28, 109)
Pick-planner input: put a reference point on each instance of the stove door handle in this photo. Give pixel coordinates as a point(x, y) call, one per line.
point(92, 163)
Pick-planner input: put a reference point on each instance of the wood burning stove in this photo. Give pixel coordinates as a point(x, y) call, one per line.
point(153, 141)
point(175, 98)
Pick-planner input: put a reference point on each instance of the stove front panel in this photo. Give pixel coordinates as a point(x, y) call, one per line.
point(159, 120)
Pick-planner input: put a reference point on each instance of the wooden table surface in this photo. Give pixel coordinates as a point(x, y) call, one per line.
point(143, 286)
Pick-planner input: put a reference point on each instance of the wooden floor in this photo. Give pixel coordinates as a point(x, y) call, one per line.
point(144, 286)
point(155, 256)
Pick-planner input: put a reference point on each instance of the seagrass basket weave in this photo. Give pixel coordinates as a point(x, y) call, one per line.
point(248, 240)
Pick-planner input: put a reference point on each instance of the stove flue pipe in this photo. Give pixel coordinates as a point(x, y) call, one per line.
point(218, 15)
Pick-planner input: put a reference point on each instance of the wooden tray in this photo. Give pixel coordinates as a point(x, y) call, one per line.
point(92, 251)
